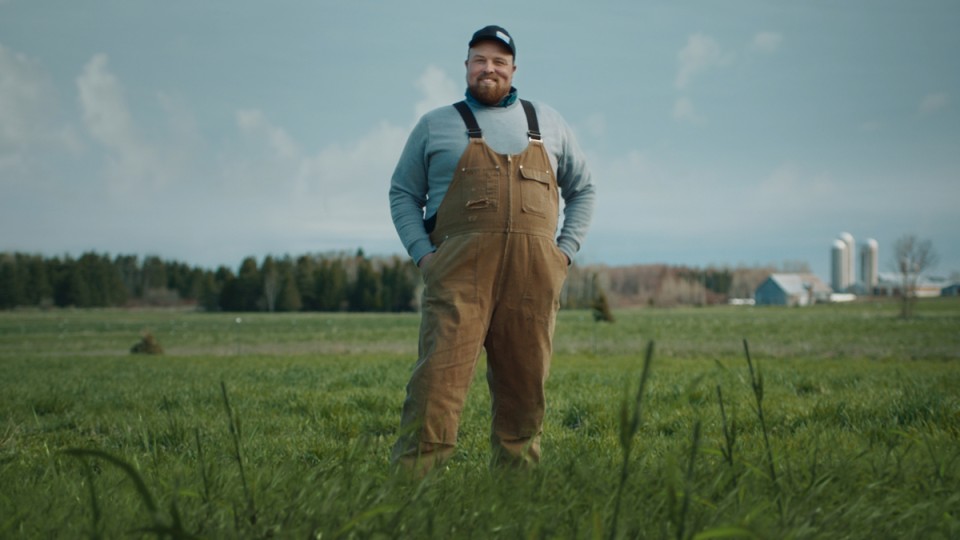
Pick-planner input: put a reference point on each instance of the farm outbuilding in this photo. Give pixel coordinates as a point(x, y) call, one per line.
point(891, 284)
point(792, 290)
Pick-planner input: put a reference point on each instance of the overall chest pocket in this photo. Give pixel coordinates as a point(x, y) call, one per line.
point(480, 189)
point(538, 193)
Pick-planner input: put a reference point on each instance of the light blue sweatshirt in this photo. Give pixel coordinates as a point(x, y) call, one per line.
point(433, 150)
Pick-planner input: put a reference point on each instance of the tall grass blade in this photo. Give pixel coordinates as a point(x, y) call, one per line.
point(725, 532)
point(202, 463)
point(688, 482)
point(158, 527)
point(756, 381)
point(729, 432)
point(234, 425)
point(127, 468)
point(94, 504)
point(629, 425)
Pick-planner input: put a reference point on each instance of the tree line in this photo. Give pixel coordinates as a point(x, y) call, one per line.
point(325, 282)
point(329, 282)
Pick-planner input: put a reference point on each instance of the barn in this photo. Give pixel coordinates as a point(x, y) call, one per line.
point(791, 290)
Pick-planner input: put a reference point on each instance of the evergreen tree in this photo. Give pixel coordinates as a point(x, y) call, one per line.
point(153, 274)
point(208, 297)
point(289, 297)
point(11, 286)
point(250, 285)
point(229, 287)
point(39, 288)
point(130, 274)
point(398, 285)
point(330, 285)
point(70, 288)
point(304, 273)
point(364, 293)
point(102, 281)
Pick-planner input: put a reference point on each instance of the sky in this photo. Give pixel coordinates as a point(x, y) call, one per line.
point(743, 132)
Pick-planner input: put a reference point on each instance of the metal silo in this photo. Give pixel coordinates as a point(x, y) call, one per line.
point(849, 277)
point(838, 265)
point(869, 261)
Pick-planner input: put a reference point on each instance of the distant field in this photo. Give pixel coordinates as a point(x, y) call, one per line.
point(279, 425)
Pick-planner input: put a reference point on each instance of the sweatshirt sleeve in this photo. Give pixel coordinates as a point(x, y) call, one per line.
point(408, 194)
point(578, 192)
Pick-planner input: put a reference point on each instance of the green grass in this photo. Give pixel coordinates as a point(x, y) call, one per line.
point(280, 426)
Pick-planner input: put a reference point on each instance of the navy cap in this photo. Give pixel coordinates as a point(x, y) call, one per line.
point(496, 33)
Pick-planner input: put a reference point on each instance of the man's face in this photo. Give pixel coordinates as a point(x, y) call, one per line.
point(490, 70)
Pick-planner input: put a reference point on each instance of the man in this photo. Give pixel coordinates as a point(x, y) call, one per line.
point(475, 200)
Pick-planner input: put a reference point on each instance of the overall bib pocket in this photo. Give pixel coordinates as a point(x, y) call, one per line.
point(537, 193)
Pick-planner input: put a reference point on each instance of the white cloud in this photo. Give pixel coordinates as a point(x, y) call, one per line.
point(107, 118)
point(30, 131)
point(253, 122)
point(104, 107)
point(438, 90)
point(26, 102)
point(932, 103)
point(766, 42)
point(700, 53)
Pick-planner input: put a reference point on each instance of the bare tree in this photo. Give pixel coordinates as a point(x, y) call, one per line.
point(911, 257)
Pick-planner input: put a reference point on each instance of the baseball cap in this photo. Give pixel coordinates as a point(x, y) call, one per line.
point(497, 33)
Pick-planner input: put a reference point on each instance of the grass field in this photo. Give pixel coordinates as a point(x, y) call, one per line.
point(279, 426)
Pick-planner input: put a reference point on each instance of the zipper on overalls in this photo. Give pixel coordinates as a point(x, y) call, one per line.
point(508, 228)
point(510, 181)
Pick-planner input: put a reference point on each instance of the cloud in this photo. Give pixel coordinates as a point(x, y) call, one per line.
point(932, 103)
point(700, 53)
point(104, 107)
point(253, 122)
point(30, 131)
point(766, 42)
point(107, 118)
point(27, 101)
point(438, 90)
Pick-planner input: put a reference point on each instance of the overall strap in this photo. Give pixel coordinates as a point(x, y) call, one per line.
point(473, 128)
point(533, 127)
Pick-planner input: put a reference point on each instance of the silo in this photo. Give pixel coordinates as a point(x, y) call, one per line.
point(838, 265)
point(869, 261)
point(849, 274)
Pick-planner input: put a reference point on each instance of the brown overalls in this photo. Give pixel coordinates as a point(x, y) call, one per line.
point(494, 282)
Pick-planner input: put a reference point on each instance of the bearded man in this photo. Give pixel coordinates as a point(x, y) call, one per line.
point(475, 201)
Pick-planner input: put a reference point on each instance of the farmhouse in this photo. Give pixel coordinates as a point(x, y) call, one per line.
point(792, 290)
point(891, 284)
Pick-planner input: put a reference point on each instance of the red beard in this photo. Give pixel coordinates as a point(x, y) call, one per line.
point(489, 94)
